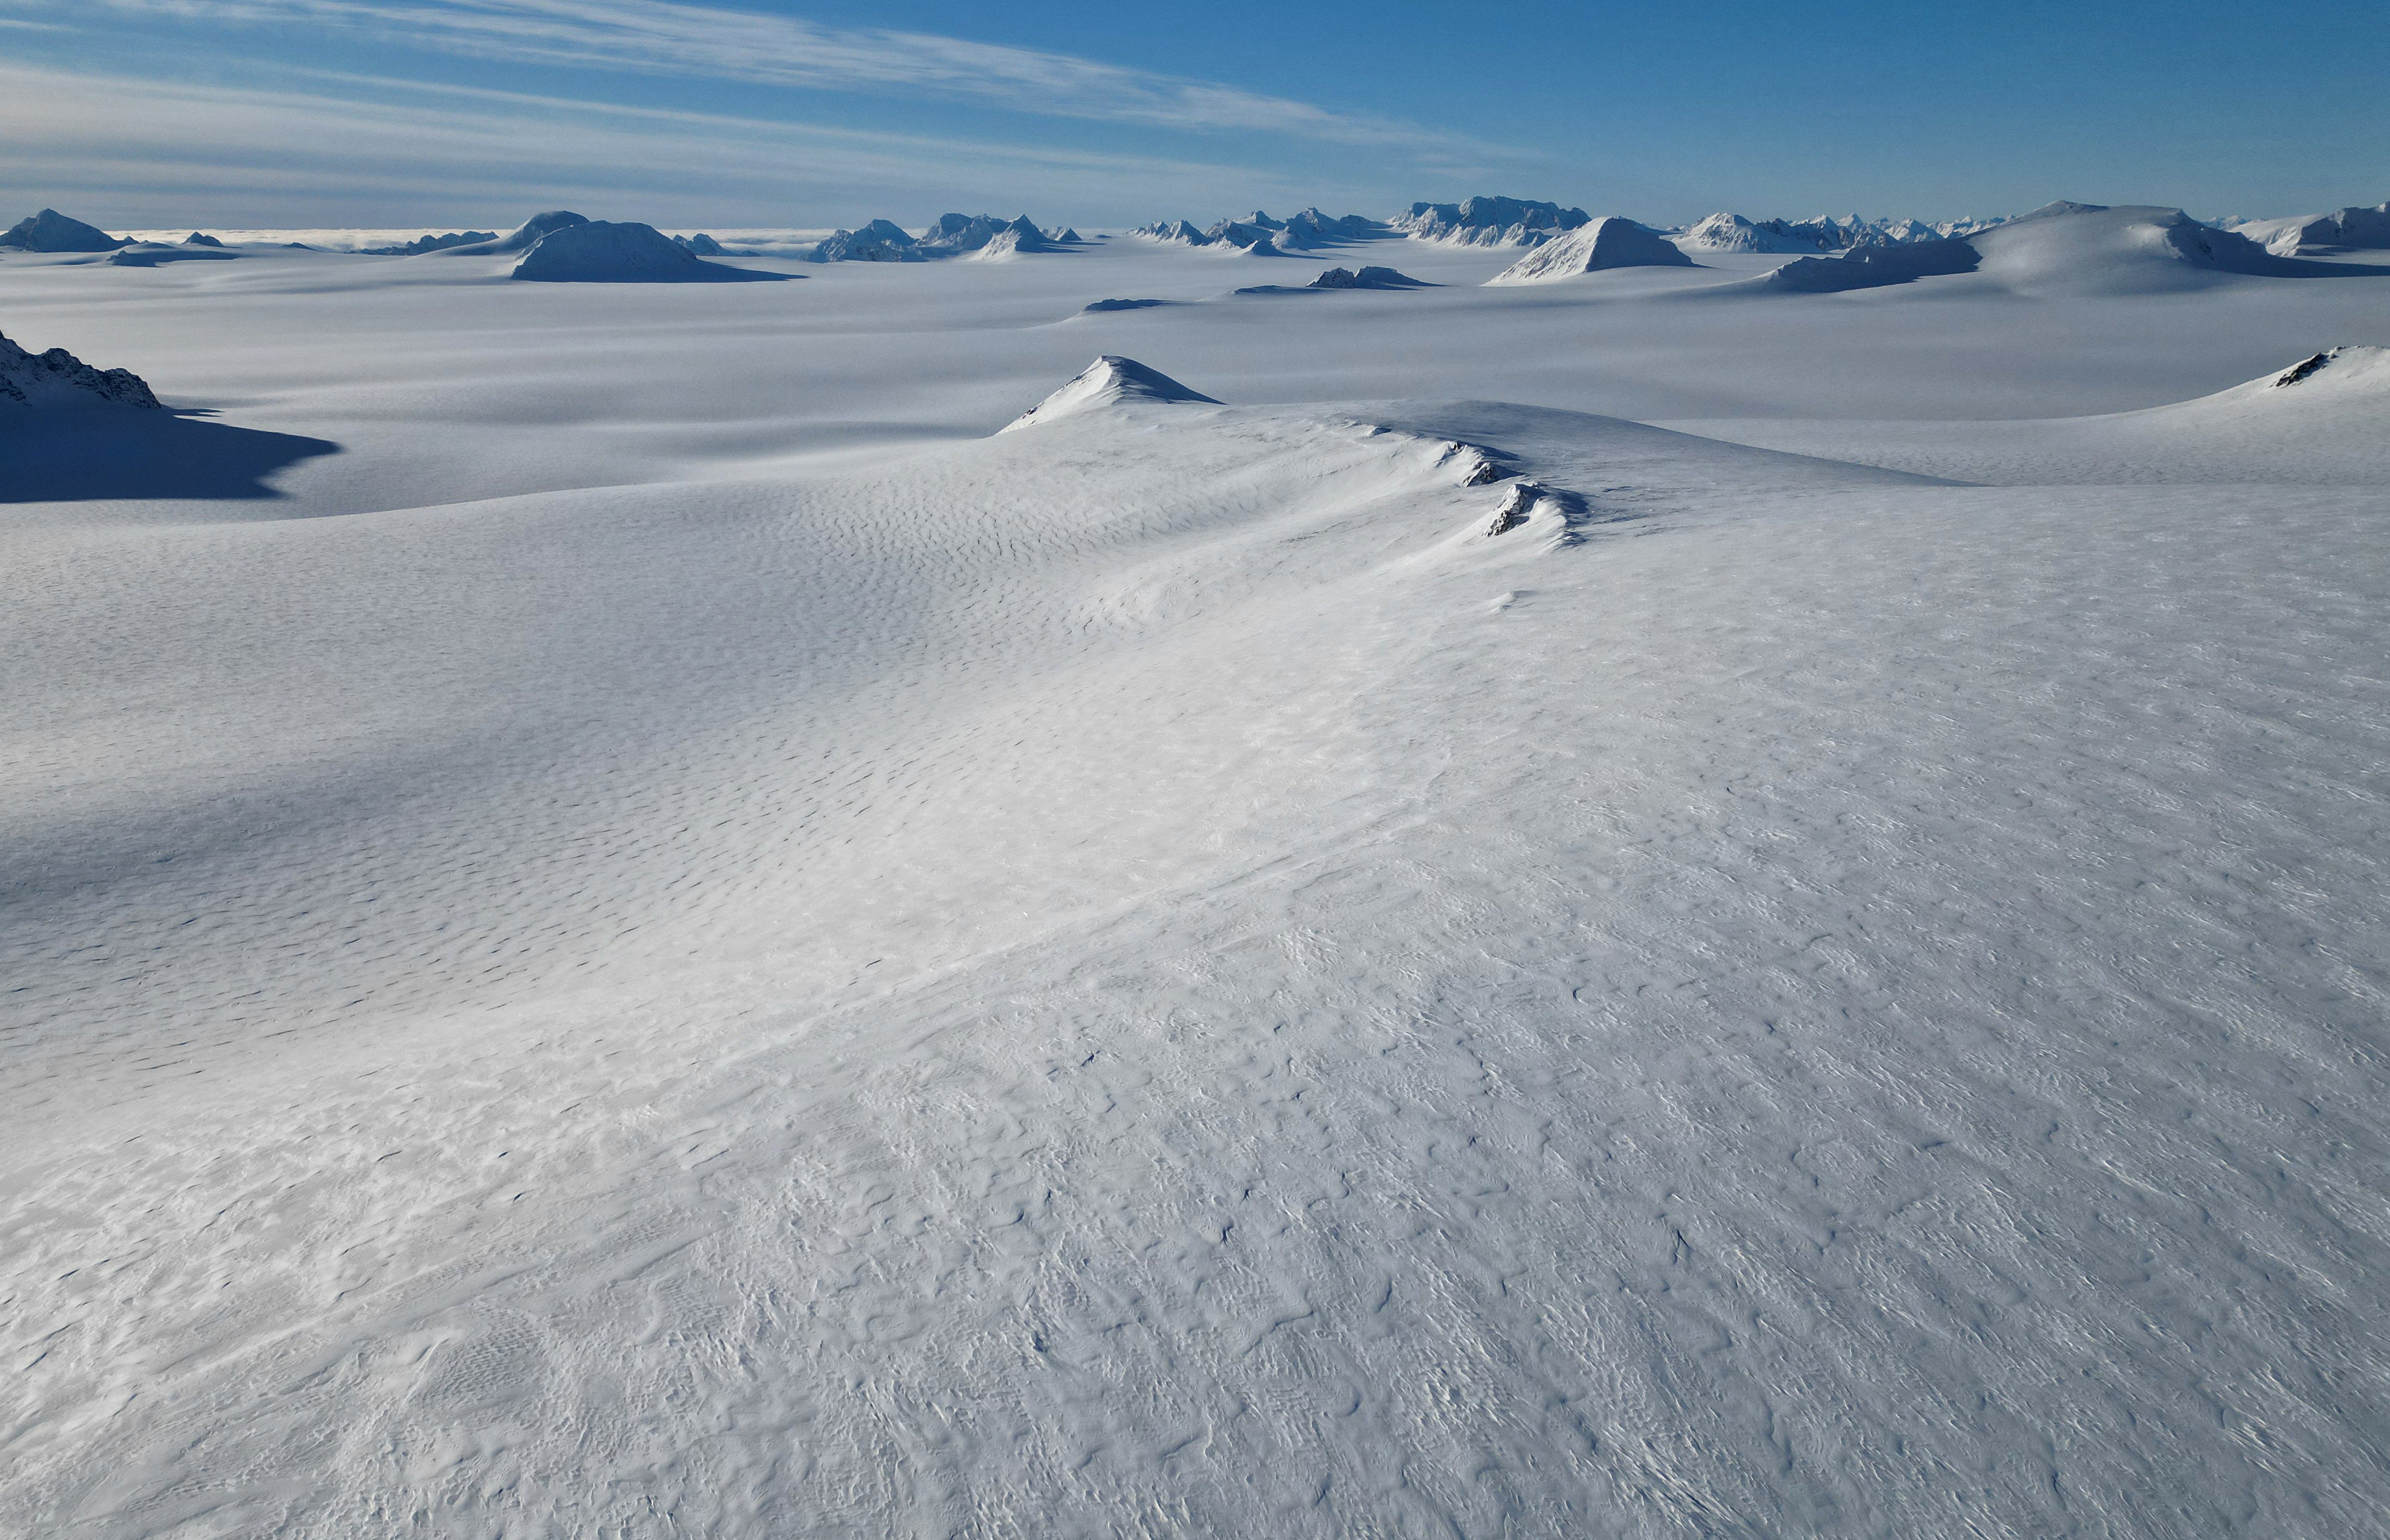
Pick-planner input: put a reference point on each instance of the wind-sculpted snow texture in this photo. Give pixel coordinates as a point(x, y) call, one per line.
point(679, 936)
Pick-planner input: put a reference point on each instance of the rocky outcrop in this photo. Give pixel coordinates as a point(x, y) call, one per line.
point(58, 378)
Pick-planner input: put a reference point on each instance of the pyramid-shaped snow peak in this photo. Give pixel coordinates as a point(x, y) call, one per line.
point(1108, 381)
point(1609, 242)
point(52, 231)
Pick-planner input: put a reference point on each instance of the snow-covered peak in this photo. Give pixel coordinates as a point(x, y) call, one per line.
point(52, 231)
point(598, 252)
point(2087, 249)
point(1610, 241)
point(1176, 232)
point(1726, 232)
point(1009, 243)
point(957, 234)
point(1110, 380)
point(58, 378)
point(1483, 221)
point(2058, 208)
point(2349, 229)
point(529, 233)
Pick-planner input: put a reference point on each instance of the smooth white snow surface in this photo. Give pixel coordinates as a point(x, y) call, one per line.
point(627, 921)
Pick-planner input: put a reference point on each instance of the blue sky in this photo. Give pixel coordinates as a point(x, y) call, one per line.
point(233, 113)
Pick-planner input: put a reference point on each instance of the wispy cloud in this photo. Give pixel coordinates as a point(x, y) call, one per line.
point(163, 152)
point(706, 41)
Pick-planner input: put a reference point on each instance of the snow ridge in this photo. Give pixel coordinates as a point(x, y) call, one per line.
point(527, 234)
point(951, 236)
point(422, 244)
point(1483, 221)
point(58, 378)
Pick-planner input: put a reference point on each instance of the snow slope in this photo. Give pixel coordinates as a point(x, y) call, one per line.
point(681, 937)
point(2314, 422)
point(1607, 242)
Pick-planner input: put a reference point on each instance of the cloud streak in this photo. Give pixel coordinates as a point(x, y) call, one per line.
point(163, 152)
point(705, 41)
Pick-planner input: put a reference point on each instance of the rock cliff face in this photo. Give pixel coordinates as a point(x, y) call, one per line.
point(58, 378)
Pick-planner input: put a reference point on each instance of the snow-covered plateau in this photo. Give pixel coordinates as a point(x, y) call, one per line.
point(1645, 904)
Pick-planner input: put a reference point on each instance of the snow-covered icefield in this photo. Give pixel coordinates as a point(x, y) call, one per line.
point(618, 917)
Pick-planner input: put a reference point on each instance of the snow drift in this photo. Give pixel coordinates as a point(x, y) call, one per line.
point(1607, 242)
point(58, 378)
point(598, 252)
point(52, 231)
point(2316, 422)
point(1108, 381)
point(2085, 248)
